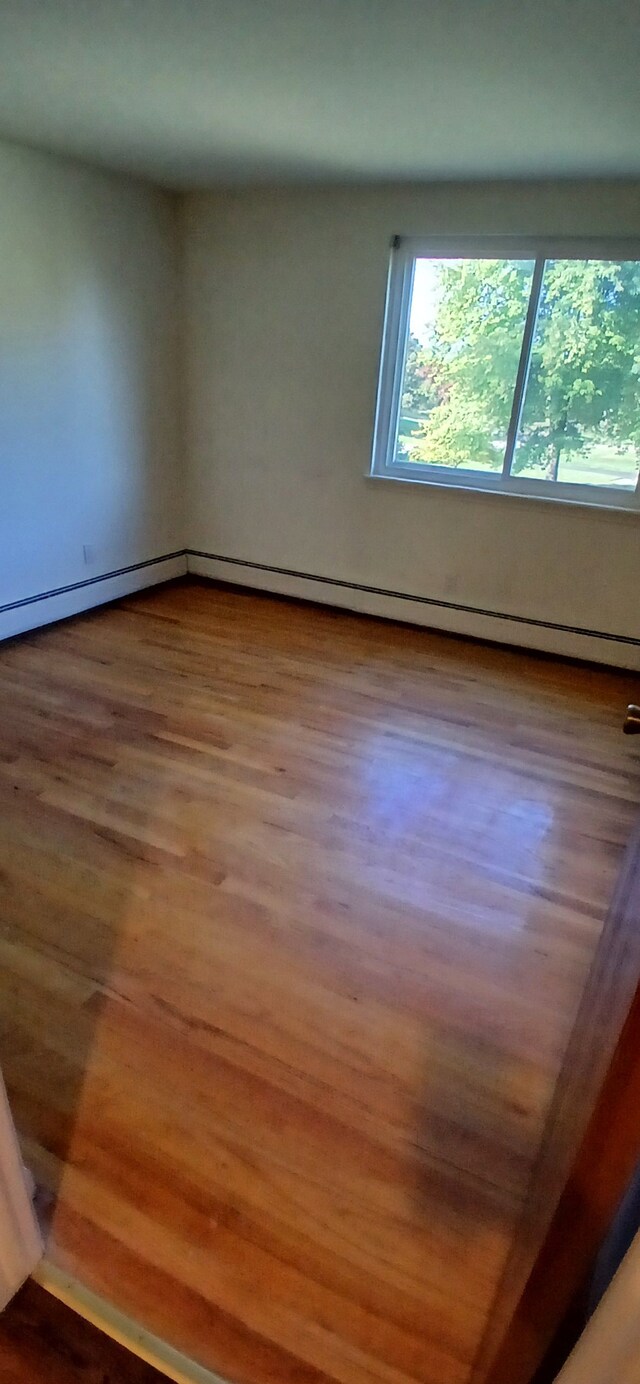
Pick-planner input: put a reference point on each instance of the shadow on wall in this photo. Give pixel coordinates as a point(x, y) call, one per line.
point(88, 381)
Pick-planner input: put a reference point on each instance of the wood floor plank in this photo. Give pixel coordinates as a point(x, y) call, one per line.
point(41, 1339)
point(296, 910)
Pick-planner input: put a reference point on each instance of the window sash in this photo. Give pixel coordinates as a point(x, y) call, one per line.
point(395, 341)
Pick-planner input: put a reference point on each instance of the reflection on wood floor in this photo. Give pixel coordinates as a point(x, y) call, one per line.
point(296, 908)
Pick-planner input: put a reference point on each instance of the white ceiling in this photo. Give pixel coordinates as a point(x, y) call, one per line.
point(192, 92)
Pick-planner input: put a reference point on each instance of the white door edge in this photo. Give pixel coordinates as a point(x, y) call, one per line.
point(20, 1241)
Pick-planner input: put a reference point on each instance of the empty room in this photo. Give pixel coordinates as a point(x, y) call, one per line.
point(319, 640)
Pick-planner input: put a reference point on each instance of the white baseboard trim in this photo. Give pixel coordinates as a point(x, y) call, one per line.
point(41, 609)
point(120, 1328)
point(622, 651)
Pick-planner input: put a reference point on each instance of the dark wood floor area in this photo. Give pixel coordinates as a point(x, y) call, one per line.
point(296, 910)
point(44, 1342)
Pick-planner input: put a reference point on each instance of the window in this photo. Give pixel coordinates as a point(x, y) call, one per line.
point(514, 368)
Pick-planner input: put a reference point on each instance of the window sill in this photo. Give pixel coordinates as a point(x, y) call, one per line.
point(505, 492)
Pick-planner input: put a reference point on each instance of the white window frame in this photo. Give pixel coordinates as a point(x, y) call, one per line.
point(404, 252)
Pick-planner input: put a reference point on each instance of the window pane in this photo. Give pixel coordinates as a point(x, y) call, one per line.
point(466, 323)
point(581, 416)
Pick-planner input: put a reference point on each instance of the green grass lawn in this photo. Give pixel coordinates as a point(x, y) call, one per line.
point(600, 465)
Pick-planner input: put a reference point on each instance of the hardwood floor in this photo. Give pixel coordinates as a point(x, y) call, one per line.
point(44, 1342)
point(296, 910)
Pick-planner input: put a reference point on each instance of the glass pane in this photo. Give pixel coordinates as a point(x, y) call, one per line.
point(581, 416)
point(465, 336)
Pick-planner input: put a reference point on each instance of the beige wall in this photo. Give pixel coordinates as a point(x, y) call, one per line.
point(285, 294)
point(89, 445)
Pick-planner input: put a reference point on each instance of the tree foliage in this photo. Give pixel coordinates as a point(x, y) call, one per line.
point(423, 387)
point(584, 373)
